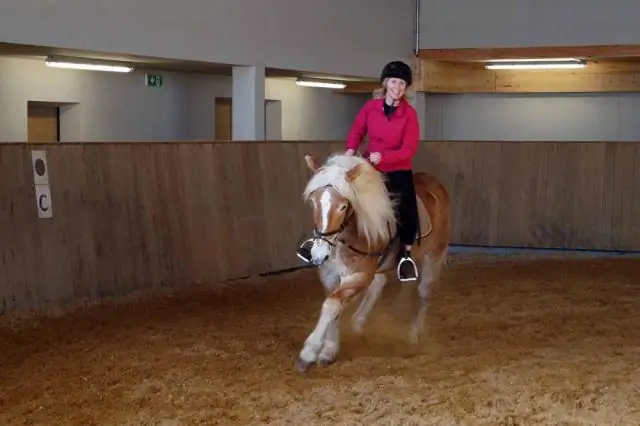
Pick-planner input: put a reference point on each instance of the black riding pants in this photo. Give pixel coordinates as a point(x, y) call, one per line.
point(400, 185)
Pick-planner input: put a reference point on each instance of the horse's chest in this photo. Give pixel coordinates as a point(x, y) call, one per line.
point(332, 271)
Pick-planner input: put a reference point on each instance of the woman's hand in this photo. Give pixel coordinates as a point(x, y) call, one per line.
point(375, 157)
point(349, 152)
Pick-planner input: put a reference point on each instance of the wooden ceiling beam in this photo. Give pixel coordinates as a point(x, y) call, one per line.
point(472, 77)
point(484, 54)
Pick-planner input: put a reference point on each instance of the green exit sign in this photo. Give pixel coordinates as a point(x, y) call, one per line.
point(153, 80)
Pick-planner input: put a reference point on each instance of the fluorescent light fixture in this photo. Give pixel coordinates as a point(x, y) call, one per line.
point(535, 64)
point(532, 66)
point(79, 64)
point(536, 60)
point(324, 84)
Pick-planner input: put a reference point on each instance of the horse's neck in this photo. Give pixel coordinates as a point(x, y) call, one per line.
point(353, 237)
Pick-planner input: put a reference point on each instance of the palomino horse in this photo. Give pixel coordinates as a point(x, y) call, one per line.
point(354, 244)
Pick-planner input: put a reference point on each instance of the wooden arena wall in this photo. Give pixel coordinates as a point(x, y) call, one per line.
point(130, 216)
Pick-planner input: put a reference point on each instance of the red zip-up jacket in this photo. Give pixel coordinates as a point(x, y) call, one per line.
point(395, 138)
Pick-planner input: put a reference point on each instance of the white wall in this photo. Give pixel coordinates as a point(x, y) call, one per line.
point(533, 117)
point(506, 23)
point(309, 111)
point(333, 36)
point(202, 91)
point(110, 106)
point(446, 24)
point(114, 107)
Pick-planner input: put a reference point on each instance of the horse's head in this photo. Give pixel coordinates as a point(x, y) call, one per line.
point(332, 211)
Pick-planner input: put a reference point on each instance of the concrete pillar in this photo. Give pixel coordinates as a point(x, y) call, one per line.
point(248, 107)
point(419, 102)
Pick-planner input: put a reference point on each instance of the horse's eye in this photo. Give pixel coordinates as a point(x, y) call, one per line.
point(343, 207)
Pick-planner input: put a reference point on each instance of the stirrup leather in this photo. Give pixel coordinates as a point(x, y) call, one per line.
point(415, 269)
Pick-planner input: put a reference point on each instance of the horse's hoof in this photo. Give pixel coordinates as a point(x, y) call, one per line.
point(357, 325)
point(303, 366)
point(325, 362)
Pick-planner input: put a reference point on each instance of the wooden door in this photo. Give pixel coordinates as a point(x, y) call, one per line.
point(224, 115)
point(43, 123)
point(223, 119)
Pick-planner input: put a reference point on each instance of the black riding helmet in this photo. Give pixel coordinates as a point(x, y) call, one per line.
point(397, 69)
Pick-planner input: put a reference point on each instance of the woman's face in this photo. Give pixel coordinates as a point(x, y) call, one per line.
point(396, 88)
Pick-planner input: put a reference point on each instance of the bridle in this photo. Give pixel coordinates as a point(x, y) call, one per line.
point(318, 235)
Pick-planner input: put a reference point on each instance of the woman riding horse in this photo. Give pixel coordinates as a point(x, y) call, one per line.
point(392, 125)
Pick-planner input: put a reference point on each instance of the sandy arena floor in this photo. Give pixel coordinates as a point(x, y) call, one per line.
point(515, 342)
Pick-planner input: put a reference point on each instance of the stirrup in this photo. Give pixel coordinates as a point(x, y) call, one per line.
point(399, 267)
point(304, 250)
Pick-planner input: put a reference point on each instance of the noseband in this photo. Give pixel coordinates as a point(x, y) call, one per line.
point(317, 235)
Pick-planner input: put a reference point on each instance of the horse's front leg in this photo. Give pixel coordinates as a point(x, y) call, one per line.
point(350, 287)
point(331, 344)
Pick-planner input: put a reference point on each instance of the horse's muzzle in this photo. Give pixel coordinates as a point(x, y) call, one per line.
point(319, 261)
point(320, 252)
point(314, 251)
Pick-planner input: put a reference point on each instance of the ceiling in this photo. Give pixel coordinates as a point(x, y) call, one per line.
point(153, 63)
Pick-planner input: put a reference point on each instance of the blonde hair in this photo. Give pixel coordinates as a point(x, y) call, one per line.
point(381, 92)
point(367, 193)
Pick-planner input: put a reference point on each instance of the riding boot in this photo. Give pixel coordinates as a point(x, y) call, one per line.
point(304, 251)
point(407, 269)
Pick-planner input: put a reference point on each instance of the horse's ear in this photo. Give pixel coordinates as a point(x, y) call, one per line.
point(311, 162)
point(354, 173)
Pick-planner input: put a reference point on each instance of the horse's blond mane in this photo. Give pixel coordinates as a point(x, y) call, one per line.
point(367, 194)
